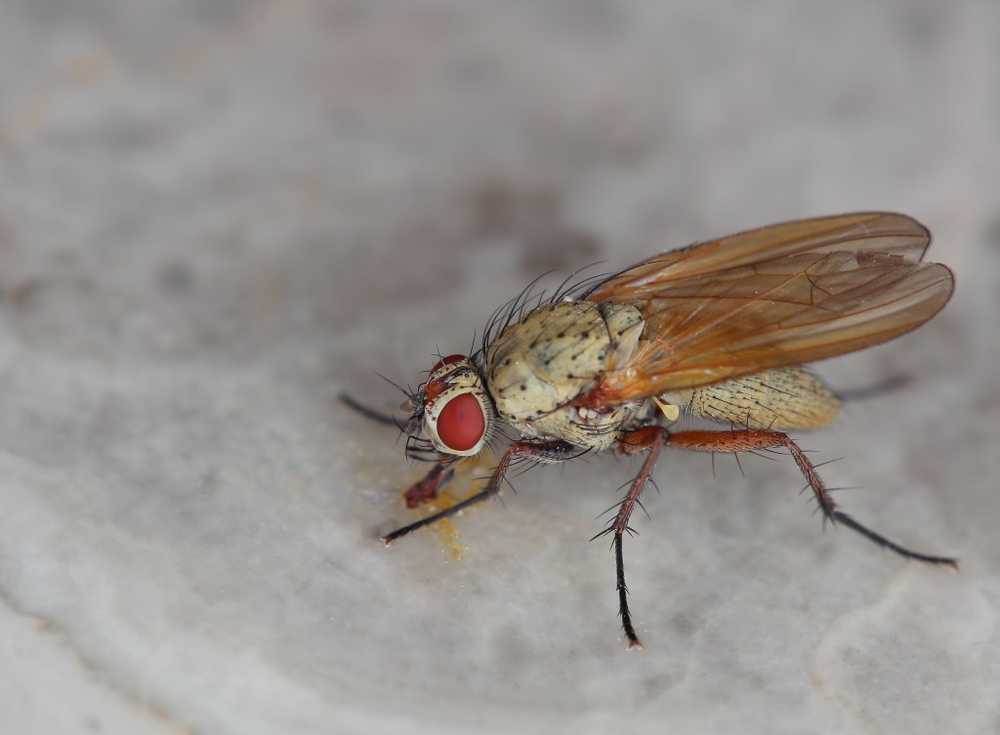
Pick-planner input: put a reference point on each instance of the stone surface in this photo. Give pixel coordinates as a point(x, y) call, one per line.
point(215, 216)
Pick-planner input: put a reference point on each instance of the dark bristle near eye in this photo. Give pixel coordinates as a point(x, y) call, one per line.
point(516, 308)
point(421, 449)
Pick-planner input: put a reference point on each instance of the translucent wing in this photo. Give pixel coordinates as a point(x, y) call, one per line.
point(777, 296)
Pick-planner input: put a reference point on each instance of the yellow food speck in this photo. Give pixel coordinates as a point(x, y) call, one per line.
point(446, 530)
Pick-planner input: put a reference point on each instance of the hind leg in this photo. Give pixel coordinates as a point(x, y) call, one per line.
point(751, 439)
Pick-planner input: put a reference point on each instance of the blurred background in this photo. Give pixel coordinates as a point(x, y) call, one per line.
point(217, 215)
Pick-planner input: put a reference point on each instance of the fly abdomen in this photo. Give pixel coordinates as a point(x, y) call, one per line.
point(782, 398)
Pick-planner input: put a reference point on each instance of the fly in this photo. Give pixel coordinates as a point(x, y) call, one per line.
point(717, 330)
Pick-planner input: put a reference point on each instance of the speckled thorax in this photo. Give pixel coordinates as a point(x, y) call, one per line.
point(537, 366)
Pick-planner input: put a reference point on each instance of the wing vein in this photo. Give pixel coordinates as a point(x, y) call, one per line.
point(774, 297)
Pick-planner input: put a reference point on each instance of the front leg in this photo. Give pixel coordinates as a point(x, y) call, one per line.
point(372, 414)
point(426, 489)
point(541, 451)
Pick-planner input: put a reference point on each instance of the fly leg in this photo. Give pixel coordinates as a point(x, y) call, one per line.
point(372, 414)
point(751, 439)
point(543, 451)
point(426, 489)
point(422, 490)
point(649, 439)
point(882, 387)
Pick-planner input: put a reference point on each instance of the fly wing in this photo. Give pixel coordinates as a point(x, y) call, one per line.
point(773, 297)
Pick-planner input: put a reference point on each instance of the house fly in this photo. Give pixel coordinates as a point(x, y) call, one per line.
point(718, 330)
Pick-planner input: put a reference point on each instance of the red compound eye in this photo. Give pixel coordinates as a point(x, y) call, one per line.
point(446, 361)
point(461, 423)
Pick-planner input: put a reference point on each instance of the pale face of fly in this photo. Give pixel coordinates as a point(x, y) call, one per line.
point(453, 409)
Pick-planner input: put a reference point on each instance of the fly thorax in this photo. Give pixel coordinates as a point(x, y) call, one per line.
point(555, 353)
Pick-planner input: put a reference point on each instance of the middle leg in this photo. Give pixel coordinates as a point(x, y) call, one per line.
point(649, 439)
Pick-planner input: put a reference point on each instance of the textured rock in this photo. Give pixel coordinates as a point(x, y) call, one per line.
point(214, 216)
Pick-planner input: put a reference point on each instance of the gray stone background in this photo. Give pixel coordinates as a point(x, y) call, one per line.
point(214, 216)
